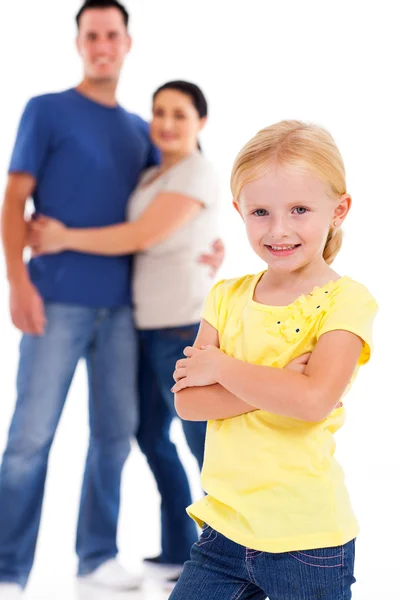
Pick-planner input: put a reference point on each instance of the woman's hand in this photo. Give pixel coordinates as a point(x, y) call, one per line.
point(47, 236)
point(214, 258)
point(198, 369)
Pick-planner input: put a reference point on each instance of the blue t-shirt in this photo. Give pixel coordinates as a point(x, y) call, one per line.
point(86, 158)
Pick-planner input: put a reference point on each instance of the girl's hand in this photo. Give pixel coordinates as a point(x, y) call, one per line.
point(198, 369)
point(200, 366)
point(299, 364)
point(47, 236)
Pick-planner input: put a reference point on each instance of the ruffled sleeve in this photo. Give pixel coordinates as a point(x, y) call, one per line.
point(352, 309)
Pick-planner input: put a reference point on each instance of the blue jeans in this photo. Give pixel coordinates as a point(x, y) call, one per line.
point(106, 339)
point(159, 351)
point(222, 570)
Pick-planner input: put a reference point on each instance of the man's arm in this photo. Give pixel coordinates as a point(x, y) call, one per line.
point(26, 305)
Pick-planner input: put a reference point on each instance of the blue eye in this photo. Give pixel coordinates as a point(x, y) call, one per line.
point(300, 210)
point(260, 212)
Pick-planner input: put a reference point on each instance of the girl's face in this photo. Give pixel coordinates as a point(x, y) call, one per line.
point(176, 123)
point(288, 215)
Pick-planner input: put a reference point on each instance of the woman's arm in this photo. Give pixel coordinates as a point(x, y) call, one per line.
point(310, 396)
point(166, 214)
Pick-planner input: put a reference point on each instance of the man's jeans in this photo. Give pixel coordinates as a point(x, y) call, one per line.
point(219, 569)
point(159, 351)
point(106, 339)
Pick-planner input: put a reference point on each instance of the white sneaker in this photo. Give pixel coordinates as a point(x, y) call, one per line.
point(113, 576)
point(160, 570)
point(10, 591)
point(170, 583)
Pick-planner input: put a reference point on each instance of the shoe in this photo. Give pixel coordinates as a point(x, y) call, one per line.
point(113, 576)
point(162, 570)
point(10, 591)
point(170, 583)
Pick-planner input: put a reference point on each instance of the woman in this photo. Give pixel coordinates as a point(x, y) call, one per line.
point(172, 221)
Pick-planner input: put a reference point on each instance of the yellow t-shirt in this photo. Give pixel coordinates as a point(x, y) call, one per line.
point(273, 483)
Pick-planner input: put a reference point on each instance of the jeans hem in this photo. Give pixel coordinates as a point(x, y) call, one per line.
point(16, 580)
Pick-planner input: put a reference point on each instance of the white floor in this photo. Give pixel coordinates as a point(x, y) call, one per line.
point(53, 575)
point(67, 589)
point(373, 478)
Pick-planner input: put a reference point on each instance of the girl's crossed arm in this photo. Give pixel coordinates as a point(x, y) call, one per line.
point(310, 396)
point(211, 402)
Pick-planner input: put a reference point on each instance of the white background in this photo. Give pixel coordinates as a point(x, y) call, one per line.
point(258, 62)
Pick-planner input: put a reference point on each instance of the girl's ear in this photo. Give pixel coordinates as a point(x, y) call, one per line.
point(342, 209)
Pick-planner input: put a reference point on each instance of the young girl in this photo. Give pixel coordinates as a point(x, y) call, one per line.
point(277, 520)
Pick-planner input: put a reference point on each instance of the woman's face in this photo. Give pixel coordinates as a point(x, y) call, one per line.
point(176, 124)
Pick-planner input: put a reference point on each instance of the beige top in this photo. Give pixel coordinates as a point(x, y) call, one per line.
point(169, 285)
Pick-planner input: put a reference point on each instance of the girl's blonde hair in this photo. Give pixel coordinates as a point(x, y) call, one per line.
point(308, 146)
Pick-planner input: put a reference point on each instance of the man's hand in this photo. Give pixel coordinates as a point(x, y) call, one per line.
point(47, 236)
point(27, 308)
point(215, 259)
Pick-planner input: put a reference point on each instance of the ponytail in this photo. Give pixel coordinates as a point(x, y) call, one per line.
point(332, 245)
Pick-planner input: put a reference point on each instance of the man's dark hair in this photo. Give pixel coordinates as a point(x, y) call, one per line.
point(103, 4)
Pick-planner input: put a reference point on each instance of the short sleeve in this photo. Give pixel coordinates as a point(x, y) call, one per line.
point(213, 303)
point(195, 178)
point(353, 309)
point(32, 143)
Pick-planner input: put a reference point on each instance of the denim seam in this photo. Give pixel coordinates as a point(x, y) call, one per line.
point(342, 577)
point(249, 567)
point(254, 553)
point(321, 557)
point(208, 539)
point(237, 595)
point(314, 565)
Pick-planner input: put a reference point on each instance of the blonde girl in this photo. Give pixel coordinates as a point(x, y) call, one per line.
point(277, 520)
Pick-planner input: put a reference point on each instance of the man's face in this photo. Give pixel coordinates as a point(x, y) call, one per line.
point(103, 43)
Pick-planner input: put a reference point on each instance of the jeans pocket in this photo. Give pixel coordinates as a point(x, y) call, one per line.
point(325, 558)
point(207, 536)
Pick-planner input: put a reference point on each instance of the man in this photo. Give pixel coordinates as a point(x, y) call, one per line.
point(79, 155)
